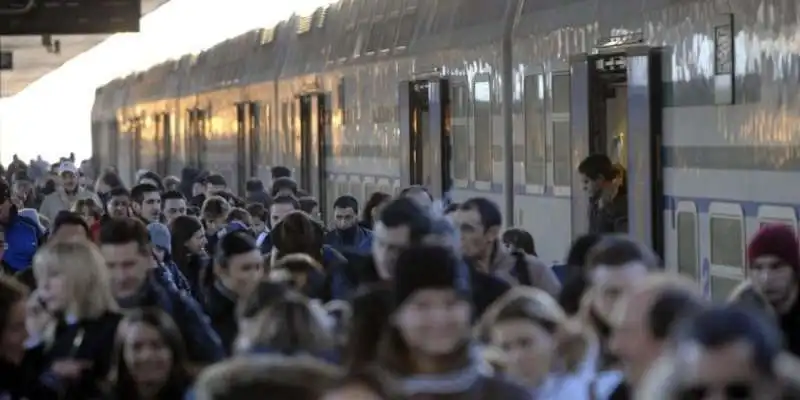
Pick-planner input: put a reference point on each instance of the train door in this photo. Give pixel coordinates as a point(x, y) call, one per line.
point(313, 132)
point(254, 134)
point(616, 110)
point(137, 144)
point(201, 135)
point(242, 146)
point(425, 147)
point(166, 144)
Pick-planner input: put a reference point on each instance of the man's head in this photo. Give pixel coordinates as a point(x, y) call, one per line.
point(215, 213)
point(125, 244)
point(284, 187)
point(23, 185)
point(280, 172)
point(238, 263)
point(596, 171)
point(401, 223)
point(419, 194)
point(174, 205)
point(152, 178)
point(725, 353)
point(119, 203)
point(260, 216)
point(215, 183)
point(69, 175)
point(479, 220)
point(254, 187)
point(645, 319)
point(616, 265)
point(200, 184)
point(146, 201)
point(774, 260)
point(69, 226)
point(172, 183)
point(310, 206)
point(345, 212)
point(281, 207)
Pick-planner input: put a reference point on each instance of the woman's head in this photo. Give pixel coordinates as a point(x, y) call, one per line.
point(90, 211)
point(294, 270)
point(519, 240)
point(532, 333)
point(188, 235)
point(432, 309)
point(149, 351)
point(72, 278)
point(13, 332)
point(373, 206)
point(107, 181)
point(288, 324)
point(238, 263)
point(297, 233)
point(370, 312)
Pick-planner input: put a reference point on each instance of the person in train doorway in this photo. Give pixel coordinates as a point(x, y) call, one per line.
point(608, 200)
point(347, 233)
point(67, 194)
point(774, 261)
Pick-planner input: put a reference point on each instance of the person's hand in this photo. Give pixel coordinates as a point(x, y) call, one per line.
point(70, 368)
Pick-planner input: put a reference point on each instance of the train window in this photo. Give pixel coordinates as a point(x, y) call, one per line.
point(727, 244)
point(534, 130)
point(357, 191)
point(721, 287)
point(405, 31)
point(389, 33)
point(482, 123)
point(560, 97)
point(561, 93)
point(688, 256)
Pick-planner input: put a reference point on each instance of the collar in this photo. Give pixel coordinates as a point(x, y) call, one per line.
point(225, 292)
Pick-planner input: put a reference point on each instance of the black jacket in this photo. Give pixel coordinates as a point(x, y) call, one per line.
point(222, 311)
point(26, 380)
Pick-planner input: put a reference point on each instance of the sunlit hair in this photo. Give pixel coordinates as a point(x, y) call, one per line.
point(93, 209)
point(747, 295)
point(85, 275)
point(289, 324)
point(538, 307)
point(294, 269)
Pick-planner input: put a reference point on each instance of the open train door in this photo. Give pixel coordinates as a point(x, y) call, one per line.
point(313, 132)
point(645, 166)
point(425, 148)
point(616, 110)
point(243, 149)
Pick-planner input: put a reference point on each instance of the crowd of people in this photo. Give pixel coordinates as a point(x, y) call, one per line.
point(177, 288)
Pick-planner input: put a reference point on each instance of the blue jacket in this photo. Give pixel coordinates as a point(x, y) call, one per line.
point(23, 238)
point(363, 240)
point(202, 342)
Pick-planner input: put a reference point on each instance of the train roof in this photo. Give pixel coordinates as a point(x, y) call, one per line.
point(343, 33)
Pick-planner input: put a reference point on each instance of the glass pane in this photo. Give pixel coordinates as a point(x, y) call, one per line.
point(687, 245)
point(406, 31)
point(726, 242)
point(562, 174)
point(483, 129)
point(721, 287)
point(389, 33)
point(460, 135)
point(534, 131)
point(561, 93)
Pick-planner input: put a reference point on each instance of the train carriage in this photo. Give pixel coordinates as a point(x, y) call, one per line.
point(696, 98)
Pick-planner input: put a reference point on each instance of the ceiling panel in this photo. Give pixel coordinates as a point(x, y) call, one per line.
point(32, 60)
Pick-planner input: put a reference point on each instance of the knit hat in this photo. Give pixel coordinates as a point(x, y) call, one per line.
point(428, 267)
point(160, 236)
point(776, 240)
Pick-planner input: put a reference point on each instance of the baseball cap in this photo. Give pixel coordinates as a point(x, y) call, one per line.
point(67, 166)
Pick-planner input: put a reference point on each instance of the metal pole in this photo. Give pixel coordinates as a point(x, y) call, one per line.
point(507, 76)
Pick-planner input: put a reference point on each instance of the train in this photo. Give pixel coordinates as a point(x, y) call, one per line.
point(697, 99)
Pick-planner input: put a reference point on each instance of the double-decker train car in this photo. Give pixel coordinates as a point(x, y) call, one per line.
point(696, 98)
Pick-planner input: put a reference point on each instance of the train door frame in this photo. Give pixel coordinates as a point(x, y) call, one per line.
point(644, 137)
point(314, 116)
point(243, 151)
point(431, 147)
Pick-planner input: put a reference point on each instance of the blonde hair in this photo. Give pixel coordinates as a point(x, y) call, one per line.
point(85, 273)
point(537, 306)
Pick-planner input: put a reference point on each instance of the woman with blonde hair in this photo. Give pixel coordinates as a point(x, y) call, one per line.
point(536, 344)
point(73, 284)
